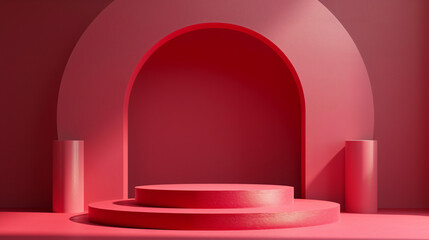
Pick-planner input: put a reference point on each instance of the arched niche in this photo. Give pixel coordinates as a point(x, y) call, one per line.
point(215, 103)
point(95, 87)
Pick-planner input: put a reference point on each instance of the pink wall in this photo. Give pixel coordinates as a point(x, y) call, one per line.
point(36, 39)
point(94, 93)
point(227, 113)
point(393, 38)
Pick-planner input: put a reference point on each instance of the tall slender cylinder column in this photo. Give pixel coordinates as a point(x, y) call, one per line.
point(67, 192)
point(361, 176)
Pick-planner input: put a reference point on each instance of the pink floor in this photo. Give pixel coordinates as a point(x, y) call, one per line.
point(387, 224)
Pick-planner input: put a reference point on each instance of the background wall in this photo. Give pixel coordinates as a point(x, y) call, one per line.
point(393, 38)
point(37, 36)
point(36, 39)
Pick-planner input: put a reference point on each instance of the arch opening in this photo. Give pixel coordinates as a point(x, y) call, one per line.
point(215, 103)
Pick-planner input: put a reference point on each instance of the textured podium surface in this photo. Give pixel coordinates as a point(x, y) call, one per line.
point(213, 195)
point(127, 213)
point(214, 207)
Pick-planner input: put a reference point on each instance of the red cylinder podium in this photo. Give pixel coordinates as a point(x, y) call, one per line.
point(361, 176)
point(67, 191)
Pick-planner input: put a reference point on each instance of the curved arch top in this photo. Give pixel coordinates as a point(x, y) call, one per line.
point(333, 78)
point(199, 26)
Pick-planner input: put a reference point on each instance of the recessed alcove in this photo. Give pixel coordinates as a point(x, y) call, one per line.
point(214, 105)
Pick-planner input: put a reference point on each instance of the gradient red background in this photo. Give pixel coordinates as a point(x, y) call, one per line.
point(38, 37)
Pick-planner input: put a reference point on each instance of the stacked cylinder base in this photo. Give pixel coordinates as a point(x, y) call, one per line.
point(214, 207)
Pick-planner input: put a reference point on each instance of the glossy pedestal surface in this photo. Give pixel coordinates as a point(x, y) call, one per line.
point(68, 179)
point(361, 176)
point(214, 207)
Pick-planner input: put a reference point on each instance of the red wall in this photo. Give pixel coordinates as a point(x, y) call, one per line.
point(393, 38)
point(219, 101)
point(38, 36)
point(36, 39)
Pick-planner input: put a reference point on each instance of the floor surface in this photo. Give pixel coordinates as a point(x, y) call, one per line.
point(387, 224)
